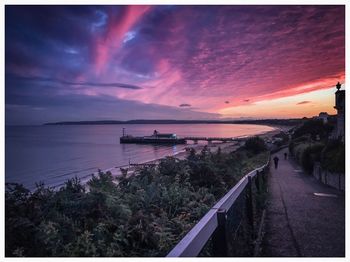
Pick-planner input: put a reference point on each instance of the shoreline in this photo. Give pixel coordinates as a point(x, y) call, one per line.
point(182, 154)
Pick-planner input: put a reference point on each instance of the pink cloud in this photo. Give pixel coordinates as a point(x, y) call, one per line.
point(202, 55)
point(117, 27)
point(243, 59)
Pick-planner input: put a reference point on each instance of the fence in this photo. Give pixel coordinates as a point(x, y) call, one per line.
point(335, 180)
point(231, 227)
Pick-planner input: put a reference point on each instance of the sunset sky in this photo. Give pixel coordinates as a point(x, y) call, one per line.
point(70, 63)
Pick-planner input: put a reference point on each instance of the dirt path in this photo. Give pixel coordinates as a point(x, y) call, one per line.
point(298, 222)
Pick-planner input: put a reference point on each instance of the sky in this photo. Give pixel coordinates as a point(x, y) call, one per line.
point(76, 63)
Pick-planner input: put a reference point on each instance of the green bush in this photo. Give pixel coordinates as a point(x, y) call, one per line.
point(284, 139)
point(299, 150)
point(291, 147)
point(314, 128)
point(295, 142)
point(255, 145)
point(333, 157)
point(307, 149)
point(306, 153)
point(310, 155)
point(144, 215)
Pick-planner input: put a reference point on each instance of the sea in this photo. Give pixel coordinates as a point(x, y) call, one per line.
point(52, 154)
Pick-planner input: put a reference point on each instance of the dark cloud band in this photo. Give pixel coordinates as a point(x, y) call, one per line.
point(303, 102)
point(63, 82)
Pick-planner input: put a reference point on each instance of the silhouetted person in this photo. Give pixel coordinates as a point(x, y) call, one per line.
point(275, 160)
point(285, 156)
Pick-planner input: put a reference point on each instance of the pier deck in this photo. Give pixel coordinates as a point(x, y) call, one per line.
point(209, 139)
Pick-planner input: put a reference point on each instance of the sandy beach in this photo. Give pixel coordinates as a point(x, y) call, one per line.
point(213, 147)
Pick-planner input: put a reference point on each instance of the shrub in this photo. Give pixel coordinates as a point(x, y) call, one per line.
point(304, 139)
point(314, 128)
point(311, 154)
point(284, 138)
point(307, 153)
point(255, 145)
point(299, 149)
point(143, 215)
point(291, 147)
point(333, 157)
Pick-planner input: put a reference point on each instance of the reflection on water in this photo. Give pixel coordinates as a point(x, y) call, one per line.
point(53, 154)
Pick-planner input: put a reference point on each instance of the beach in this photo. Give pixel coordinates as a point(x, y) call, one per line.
point(225, 147)
point(54, 154)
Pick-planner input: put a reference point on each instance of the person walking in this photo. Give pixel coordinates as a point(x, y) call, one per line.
point(275, 160)
point(285, 156)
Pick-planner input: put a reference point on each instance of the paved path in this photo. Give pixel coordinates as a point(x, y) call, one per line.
point(299, 223)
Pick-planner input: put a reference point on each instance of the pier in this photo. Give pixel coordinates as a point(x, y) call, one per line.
point(195, 139)
point(159, 138)
point(178, 140)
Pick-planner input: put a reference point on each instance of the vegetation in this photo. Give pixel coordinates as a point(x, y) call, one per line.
point(255, 144)
point(144, 215)
point(281, 122)
point(314, 128)
point(281, 138)
point(333, 157)
point(310, 144)
point(294, 142)
point(308, 154)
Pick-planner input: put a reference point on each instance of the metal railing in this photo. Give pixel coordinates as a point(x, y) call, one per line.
point(236, 214)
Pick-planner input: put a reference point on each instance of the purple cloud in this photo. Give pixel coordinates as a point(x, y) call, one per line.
point(209, 53)
point(303, 102)
point(69, 83)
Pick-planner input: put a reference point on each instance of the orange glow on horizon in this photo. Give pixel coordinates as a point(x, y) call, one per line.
point(297, 106)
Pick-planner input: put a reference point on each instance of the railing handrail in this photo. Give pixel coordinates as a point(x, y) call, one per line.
point(193, 242)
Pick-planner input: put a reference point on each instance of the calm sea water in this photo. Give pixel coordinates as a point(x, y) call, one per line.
point(53, 154)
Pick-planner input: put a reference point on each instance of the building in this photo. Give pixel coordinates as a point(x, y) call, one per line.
point(339, 131)
point(324, 117)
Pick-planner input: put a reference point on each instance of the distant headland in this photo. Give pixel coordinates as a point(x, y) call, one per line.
point(284, 122)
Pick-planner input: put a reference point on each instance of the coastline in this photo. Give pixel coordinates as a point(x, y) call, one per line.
point(225, 147)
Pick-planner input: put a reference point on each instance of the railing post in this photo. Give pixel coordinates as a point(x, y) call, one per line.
point(264, 178)
point(257, 181)
point(219, 236)
point(250, 211)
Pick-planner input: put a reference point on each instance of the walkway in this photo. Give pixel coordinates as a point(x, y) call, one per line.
point(299, 223)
